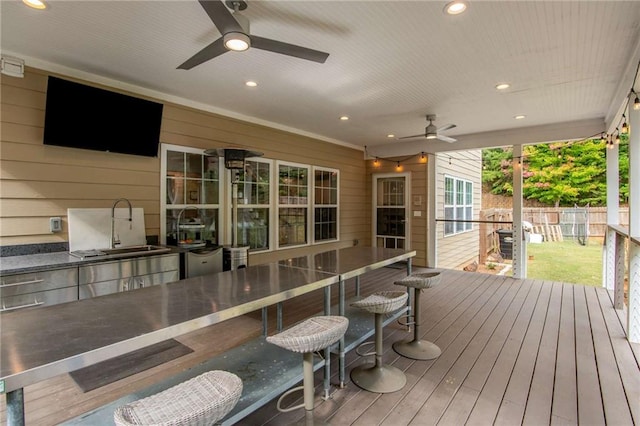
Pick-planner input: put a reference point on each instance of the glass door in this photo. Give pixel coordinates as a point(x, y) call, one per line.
point(390, 223)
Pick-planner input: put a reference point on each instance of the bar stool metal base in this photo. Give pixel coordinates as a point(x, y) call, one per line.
point(417, 349)
point(383, 379)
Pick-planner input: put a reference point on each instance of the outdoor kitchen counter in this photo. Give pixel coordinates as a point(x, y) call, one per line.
point(10, 265)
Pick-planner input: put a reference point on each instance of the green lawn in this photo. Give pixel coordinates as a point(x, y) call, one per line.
point(566, 261)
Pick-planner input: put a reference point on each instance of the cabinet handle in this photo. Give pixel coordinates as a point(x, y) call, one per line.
point(28, 305)
point(141, 281)
point(22, 283)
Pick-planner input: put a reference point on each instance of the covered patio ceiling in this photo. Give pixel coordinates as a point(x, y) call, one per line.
point(569, 65)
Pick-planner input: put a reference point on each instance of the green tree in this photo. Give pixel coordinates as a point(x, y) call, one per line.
point(559, 174)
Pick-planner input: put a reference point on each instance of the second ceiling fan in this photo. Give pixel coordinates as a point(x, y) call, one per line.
point(234, 28)
point(433, 132)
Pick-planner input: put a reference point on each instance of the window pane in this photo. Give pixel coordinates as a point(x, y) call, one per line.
point(459, 216)
point(469, 216)
point(459, 192)
point(194, 165)
point(253, 228)
point(390, 222)
point(292, 226)
point(448, 191)
point(325, 223)
point(175, 163)
point(469, 193)
point(193, 191)
point(175, 190)
point(189, 232)
point(448, 226)
point(210, 195)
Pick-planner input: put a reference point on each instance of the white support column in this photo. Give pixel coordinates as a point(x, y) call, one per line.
point(609, 253)
point(432, 248)
point(519, 244)
point(634, 225)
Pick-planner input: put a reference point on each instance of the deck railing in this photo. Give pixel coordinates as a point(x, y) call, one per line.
point(621, 259)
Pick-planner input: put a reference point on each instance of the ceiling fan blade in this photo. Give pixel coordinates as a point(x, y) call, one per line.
point(446, 127)
point(221, 16)
point(288, 49)
point(446, 138)
point(211, 51)
point(414, 136)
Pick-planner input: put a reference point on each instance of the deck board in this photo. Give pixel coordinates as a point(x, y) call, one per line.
point(514, 352)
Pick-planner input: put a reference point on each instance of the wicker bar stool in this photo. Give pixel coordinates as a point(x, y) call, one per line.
point(203, 400)
point(416, 348)
point(307, 337)
point(379, 377)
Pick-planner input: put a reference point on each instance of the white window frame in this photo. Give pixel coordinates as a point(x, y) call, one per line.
point(318, 205)
point(272, 210)
point(467, 203)
point(164, 147)
point(280, 205)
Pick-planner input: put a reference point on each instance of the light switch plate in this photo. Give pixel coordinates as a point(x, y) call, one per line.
point(55, 224)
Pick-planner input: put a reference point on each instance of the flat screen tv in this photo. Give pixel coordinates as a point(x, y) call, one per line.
point(81, 116)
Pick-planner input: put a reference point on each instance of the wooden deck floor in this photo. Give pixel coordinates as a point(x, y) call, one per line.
point(513, 352)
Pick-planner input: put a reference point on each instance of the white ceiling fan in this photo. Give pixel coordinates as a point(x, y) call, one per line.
point(433, 132)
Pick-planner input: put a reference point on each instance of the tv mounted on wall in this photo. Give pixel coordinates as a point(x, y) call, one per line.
point(86, 117)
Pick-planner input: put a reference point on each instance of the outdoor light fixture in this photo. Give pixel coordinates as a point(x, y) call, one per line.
point(636, 103)
point(376, 162)
point(618, 137)
point(398, 167)
point(238, 42)
point(625, 126)
point(423, 158)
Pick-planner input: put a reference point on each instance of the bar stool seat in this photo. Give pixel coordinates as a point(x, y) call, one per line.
point(379, 377)
point(202, 400)
point(307, 337)
point(417, 348)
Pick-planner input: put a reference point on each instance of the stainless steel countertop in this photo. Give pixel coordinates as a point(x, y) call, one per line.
point(44, 342)
point(351, 261)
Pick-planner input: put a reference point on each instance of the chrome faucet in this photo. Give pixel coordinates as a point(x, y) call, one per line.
point(115, 241)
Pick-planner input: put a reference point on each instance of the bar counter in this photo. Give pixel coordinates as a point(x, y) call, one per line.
point(41, 343)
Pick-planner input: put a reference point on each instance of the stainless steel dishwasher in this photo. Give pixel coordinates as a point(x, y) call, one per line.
point(203, 261)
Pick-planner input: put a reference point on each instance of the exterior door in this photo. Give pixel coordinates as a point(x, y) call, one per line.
point(390, 201)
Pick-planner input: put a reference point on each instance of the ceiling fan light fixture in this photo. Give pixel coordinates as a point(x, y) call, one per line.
point(236, 41)
point(431, 132)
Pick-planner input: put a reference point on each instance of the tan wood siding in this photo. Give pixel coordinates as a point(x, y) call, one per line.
point(456, 251)
point(38, 181)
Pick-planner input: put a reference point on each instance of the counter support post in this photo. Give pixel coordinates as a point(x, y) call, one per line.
point(327, 351)
point(341, 303)
point(357, 286)
point(264, 322)
point(15, 408)
point(279, 316)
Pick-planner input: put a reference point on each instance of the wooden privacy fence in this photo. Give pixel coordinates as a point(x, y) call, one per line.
point(554, 223)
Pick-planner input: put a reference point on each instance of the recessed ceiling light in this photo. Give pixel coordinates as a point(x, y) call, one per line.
point(391, 135)
point(251, 83)
point(344, 118)
point(519, 117)
point(455, 7)
point(502, 86)
point(36, 4)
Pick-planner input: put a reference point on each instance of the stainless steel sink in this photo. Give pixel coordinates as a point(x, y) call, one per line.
point(117, 252)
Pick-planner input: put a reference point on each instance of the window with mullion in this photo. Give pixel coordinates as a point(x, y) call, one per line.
point(254, 205)
point(191, 196)
point(293, 204)
point(325, 208)
point(458, 205)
